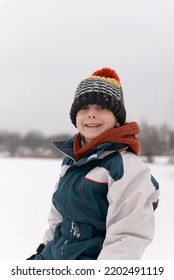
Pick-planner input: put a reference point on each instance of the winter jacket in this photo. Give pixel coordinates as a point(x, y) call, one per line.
point(103, 205)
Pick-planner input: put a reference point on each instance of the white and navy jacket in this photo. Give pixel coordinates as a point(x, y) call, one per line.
point(109, 189)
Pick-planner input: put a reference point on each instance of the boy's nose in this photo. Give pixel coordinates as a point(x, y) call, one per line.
point(91, 114)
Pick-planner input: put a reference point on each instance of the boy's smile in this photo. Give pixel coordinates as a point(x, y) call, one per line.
point(92, 125)
point(94, 120)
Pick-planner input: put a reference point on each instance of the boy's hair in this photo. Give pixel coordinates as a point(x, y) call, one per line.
point(102, 88)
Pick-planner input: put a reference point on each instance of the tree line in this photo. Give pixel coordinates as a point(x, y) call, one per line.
point(33, 144)
point(155, 141)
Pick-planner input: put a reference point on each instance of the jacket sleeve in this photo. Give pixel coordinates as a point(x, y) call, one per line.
point(53, 219)
point(130, 222)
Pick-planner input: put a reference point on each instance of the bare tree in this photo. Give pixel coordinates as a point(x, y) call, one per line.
point(150, 143)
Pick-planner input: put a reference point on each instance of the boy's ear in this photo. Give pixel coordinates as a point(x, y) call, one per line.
point(117, 124)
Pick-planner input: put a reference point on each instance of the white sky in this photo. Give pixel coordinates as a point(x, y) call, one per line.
point(48, 46)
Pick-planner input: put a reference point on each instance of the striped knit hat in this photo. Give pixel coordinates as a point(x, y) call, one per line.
point(102, 88)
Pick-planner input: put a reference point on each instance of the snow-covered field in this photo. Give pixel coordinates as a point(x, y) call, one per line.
point(26, 187)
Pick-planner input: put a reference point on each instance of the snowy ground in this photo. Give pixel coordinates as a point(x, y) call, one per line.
point(26, 189)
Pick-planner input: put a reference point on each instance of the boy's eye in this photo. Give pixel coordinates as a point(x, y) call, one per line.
point(97, 107)
point(84, 108)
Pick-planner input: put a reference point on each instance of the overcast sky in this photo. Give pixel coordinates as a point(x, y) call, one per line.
point(48, 46)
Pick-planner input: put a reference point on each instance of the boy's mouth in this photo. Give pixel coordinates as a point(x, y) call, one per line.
point(91, 125)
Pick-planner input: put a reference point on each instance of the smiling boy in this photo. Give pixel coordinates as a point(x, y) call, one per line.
point(103, 205)
point(93, 120)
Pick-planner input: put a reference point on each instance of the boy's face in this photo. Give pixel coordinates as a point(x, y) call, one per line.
point(93, 120)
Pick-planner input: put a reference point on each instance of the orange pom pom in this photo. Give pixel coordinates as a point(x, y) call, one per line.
point(107, 73)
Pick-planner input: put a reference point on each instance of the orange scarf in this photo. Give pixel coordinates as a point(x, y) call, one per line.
point(124, 134)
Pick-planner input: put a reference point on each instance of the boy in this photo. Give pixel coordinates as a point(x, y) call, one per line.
point(103, 205)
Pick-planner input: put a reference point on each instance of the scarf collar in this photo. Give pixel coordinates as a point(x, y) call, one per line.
point(124, 134)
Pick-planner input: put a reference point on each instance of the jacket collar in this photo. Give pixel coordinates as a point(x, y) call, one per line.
point(66, 147)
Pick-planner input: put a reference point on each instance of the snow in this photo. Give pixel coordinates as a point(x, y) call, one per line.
point(26, 190)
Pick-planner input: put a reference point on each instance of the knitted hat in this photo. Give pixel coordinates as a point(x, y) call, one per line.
point(102, 88)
